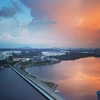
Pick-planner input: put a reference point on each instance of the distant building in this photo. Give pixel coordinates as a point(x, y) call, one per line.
point(21, 59)
point(53, 53)
point(6, 54)
point(40, 58)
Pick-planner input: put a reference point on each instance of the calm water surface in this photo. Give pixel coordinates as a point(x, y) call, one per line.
point(77, 79)
point(14, 87)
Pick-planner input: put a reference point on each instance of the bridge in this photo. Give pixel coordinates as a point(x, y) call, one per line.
point(41, 87)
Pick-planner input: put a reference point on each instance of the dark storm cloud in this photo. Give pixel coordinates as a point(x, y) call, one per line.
point(37, 13)
point(7, 12)
point(41, 22)
point(40, 16)
point(30, 3)
point(16, 6)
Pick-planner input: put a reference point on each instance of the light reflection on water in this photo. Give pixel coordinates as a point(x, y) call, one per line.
point(77, 79)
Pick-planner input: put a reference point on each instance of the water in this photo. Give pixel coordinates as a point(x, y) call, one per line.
point(14, 87)
point(77, 79)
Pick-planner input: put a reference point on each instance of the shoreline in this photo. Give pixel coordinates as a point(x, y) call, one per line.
point(49, 84)
point(40, 86)
point(46, 82)
point(30, 64)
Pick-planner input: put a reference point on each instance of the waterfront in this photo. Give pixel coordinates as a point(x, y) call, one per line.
point(77, 79)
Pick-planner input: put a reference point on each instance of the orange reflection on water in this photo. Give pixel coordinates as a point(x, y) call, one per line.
point(77, 79)
point(84, 79)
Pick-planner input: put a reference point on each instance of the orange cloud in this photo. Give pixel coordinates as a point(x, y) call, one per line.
point(78, 21)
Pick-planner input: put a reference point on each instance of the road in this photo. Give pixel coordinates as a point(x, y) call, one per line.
point(48, 92)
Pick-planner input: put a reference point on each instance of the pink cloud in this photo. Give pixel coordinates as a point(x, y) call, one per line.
point(77, 24)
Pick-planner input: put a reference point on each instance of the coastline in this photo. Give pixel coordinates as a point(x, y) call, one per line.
point(41, 63)
point(54, 85)
point(40, 86)
point(49, 84)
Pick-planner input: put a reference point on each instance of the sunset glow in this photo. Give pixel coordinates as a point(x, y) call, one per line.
point(50, 23)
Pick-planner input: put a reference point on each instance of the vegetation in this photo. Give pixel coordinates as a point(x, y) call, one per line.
point(30, 63)
point(50, 84)
point(26, 64)
point(3, 62)
point(6, 62)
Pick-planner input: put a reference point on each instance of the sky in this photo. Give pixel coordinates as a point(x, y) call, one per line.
point(50, 23)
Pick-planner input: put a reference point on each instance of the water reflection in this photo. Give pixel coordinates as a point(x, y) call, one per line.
point(78, 79)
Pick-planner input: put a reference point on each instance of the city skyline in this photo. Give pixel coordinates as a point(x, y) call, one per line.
point(50, 23)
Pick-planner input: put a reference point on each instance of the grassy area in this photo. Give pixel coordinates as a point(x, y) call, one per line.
point(50, 84)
